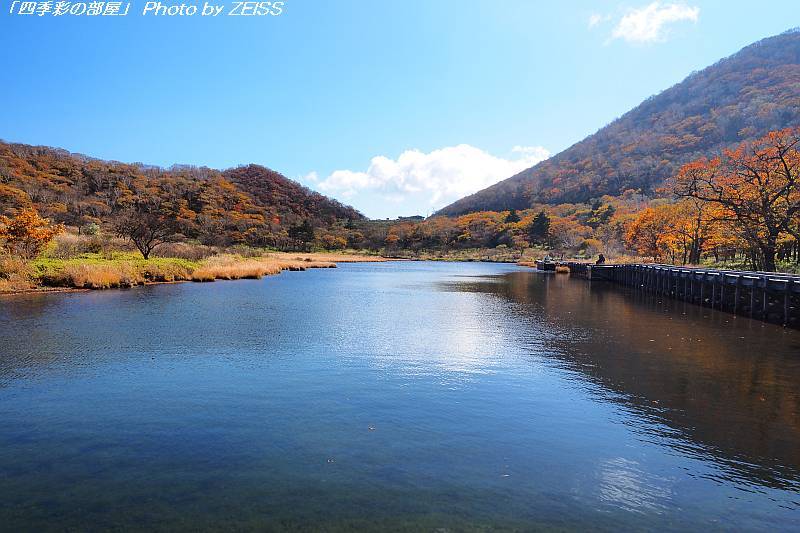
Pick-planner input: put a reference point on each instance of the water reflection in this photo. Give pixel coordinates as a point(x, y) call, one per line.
point(405, 396)
point(723, 385)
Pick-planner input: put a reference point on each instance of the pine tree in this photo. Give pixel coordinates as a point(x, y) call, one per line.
point(539, 229)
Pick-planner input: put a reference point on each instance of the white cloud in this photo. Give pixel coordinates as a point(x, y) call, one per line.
point(441, 176)
point(595, 19)
point(648, 24)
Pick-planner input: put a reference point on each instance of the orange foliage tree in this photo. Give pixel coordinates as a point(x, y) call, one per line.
point(26, 234)
point(756, 187)
point(649, 233)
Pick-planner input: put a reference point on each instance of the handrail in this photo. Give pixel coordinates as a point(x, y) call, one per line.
point(772, 276)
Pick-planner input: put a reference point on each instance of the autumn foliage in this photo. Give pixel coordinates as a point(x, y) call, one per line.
point(741, 206)
point(249, 205)
point(752, 191)
point(26, 234)
point(742, 97)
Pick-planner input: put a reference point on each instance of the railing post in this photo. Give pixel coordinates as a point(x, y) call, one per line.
point(713, 291)
point(786, 301)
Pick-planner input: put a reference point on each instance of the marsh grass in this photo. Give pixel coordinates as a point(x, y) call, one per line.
point(110, 270)
point(102, 262)
point(325, 257)
point(229, 267)
point(15, 274)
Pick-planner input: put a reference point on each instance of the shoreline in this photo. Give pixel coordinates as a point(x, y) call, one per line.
point(84, 274)
point(305, 264)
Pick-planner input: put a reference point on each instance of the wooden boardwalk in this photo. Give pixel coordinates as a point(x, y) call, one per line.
point(766, 296)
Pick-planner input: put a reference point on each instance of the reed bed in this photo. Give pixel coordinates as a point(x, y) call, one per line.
point(109, 271)
point(227, 267)
point(94, 276)
point(326, 257)
point(120, 269)
point(14, 275)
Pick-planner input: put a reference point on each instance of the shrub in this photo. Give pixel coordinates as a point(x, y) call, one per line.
point(244, 251)
point(182, 250)
point(27, 234)
point(90, 229)
point(12, 266)
point(15, 274)
point(69, 245)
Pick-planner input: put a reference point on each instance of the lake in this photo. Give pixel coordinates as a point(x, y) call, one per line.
point(394, 396)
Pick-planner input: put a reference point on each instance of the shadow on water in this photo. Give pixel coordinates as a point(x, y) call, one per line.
point(724, 386)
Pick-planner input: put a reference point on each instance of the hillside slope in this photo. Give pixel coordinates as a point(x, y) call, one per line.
point(271, 188)
point(739, 98)
point(250, 204)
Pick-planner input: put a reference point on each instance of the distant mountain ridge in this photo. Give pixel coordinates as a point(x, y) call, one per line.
point(739, 98)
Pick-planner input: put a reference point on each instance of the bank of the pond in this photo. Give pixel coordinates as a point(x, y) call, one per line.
point(124, 270)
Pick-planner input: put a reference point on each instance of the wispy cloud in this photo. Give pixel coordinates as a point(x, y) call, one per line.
point(435, 178)
point(648, 24)
point(595, 19)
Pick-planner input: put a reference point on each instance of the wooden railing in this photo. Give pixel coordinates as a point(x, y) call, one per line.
point(767, 296)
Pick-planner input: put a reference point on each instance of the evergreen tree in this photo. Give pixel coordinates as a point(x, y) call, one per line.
point(302, 234)
point(539, 230)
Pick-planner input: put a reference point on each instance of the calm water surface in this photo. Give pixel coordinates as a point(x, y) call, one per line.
point(412, 396)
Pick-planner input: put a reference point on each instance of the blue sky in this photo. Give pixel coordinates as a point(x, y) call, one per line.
point(394, 106)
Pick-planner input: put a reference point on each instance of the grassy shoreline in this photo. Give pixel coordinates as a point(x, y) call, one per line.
point(98, 271)
point(79, 263)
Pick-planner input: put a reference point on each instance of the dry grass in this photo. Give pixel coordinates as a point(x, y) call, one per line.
point(235, 267)
point(69, 245)
point(182, 250)
point(107, 271)
point(99, 276)
point(164, 271)
point(326, 257)
point(529, 264)
point(110, 269)
point(15, 275)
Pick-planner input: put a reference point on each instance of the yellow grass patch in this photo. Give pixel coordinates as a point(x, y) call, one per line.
point(326, 257)
point(100, 276)
point(234, 267)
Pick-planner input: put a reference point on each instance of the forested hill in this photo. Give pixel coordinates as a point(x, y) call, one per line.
point(742, 97)
point(271, 188)
point(251, 205)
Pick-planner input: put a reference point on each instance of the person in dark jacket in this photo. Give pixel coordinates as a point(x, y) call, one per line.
point(601, 260)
